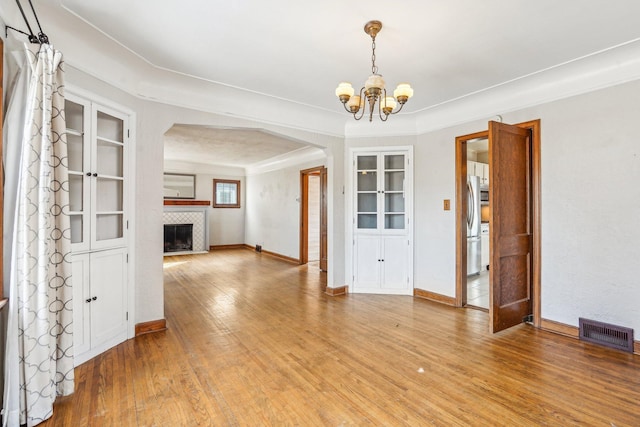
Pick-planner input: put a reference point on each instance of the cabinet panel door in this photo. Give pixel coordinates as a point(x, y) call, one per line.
point(108, 287)
point(367, 262)
point(396, 261)
point(81, 308)
point(471, 168)
point(485, 174)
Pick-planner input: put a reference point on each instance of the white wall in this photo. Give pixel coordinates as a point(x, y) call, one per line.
point(226, 225)
point(273, 209)
point(590, 206)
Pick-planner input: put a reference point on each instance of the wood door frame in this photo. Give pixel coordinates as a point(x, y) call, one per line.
point(304, 210)
point(461, 203)
point(3, 300)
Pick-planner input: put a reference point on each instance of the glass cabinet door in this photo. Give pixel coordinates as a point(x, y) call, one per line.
point(367, 191)
point(394, 206)
point(96, 145)
point(108, 173)
point(78, 118)
point(380, 191)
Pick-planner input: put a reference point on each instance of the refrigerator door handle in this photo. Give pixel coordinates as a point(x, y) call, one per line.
point(470, 207)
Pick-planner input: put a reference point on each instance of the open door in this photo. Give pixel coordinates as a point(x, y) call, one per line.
point(511, 224)
point(323, 219)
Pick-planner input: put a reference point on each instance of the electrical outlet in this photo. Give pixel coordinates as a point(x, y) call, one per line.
point(258, 248)
point(447, 204)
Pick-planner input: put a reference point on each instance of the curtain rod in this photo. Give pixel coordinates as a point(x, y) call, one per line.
point(41, 38)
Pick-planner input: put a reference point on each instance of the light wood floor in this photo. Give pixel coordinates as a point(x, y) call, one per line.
point(253, 341)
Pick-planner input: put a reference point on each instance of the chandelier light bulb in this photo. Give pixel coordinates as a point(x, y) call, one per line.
point(389, 103)
point(374, 81)
point(354, 104)
point(344, 88)
point(403, 92)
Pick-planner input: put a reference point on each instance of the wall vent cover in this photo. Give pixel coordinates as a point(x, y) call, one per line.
point(605, 334)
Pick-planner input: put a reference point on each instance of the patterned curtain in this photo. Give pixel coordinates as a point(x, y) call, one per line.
point(39, 347)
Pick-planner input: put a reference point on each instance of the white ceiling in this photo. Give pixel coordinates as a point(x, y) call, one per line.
point(296, 51)
point(301, 50)
point(229, 147)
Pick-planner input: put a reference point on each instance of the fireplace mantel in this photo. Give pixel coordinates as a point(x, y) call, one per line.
point(186, 202)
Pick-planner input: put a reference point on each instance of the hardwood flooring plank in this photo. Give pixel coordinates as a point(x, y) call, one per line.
point(255, 341)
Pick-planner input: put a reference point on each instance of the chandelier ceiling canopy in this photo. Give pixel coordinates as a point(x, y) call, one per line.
point(374, 88)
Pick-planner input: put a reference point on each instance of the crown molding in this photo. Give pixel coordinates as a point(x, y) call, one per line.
point(297, 157)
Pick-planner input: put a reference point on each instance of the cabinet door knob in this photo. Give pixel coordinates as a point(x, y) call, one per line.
point(88, 173)
point(88, 300)
point(95, 174)
point(94, 298)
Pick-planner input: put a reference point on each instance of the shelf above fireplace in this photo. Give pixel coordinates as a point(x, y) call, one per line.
point(183, 202)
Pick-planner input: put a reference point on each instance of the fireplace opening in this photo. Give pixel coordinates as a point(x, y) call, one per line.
point(178, 237)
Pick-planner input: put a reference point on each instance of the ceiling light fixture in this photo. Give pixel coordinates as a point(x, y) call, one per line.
point(373, 89)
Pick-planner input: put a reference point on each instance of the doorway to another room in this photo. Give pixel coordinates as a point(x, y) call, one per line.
point(313, 217)
point(478, 240)
point(507, 180)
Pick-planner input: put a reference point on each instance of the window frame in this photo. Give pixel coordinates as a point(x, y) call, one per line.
point(215, 188)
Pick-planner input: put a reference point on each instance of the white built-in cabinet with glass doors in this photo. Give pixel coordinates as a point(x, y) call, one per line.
point(382, 207)
point(98, 143)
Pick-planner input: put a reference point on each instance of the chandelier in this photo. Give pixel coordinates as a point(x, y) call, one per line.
point(373, 90)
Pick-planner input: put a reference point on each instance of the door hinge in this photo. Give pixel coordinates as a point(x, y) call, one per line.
point(127, 224)
point(127, 315)
point(528, 318)
point(128, 134)
point(127, 258)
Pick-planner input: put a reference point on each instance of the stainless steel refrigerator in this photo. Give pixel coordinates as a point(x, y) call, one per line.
point(474, 241)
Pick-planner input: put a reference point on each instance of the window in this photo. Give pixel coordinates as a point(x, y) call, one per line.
point(226, 193)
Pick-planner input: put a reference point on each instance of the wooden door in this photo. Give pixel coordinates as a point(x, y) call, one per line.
point(323, 219)
point(510, 225)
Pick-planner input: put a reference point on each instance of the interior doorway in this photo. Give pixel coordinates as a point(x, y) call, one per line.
point(313, 217)
point(513, 191)
point(478, 231)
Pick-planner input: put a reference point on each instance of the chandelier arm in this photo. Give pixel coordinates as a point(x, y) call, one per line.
point(398, 110)
point(362, 107)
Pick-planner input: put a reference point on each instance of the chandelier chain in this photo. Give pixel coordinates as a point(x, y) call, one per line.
point(374, 68)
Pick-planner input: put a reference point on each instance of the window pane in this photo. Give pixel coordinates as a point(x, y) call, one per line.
point(226, 194)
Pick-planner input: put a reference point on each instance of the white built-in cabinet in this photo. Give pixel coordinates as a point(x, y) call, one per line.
point(100, 301)
point(479, 169)
point(382, 207)
point(98, 144)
